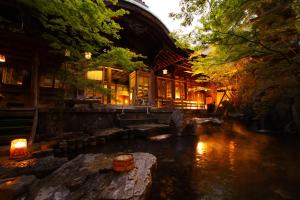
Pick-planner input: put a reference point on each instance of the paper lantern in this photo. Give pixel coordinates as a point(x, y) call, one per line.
point(165, 71)
point(123, 163)
point(18, 148)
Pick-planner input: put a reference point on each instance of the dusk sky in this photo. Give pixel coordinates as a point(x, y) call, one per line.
point(162, 8)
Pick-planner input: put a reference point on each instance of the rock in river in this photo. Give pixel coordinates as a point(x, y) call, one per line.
point(90, 176)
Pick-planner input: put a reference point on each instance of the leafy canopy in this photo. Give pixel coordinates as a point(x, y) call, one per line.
point(253, 46)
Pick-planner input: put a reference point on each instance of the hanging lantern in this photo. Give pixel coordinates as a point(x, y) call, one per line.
point(88, 55)
point(2, 58)
point(165, 71)
point(18, 148)
point(67, 53)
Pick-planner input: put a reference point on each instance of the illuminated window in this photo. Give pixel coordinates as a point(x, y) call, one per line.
point(12, 76)
point(48, 80)
point(95, 75)
point(179, 90)
point(164, 88)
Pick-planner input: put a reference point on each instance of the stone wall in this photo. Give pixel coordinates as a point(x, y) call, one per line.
point(51, 123)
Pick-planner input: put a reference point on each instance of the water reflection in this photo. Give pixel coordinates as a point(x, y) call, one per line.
point(231, 155)
point(201, 148)
point(225, 162)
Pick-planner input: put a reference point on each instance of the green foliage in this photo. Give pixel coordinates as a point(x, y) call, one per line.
point(82, 26)
point(254, 47)
point(122, 58)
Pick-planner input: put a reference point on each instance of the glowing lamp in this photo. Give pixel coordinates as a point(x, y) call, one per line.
point(165, 71)
point(88, 55)
point(67, 53)
point(18, 148)
point(2, 58)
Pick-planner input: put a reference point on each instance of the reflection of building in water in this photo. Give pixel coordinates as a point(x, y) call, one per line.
point(231, 154)
point(201, 148)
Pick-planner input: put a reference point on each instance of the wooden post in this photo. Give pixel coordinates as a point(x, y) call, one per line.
point(151, 93)
point(173, 89)
point(185, 89)
point(109, 84)
point(136, 89)
point(34, 96)
point(220, 101)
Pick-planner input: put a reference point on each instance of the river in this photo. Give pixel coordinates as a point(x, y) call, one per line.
point(220, 163)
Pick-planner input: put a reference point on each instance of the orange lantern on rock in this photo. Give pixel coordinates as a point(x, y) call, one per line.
point(18, 148)
point(123, 163)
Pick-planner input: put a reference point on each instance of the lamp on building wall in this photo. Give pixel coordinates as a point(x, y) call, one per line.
point(67, 53)
point(2, 58)
point(88, 55)
point(18, 148)
point(165, 71)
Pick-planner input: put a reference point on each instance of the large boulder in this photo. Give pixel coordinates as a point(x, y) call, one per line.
point(177, 122)
point(90, 176)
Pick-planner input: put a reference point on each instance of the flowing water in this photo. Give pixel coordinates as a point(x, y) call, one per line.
point(220, 163)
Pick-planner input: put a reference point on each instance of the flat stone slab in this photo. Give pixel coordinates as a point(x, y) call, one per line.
point(147, 127)
point(207, 120)
point(108, 132)
point(36, 166)
point(90, 176)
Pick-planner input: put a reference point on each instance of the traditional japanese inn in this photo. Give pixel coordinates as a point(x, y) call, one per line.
point(30, 81)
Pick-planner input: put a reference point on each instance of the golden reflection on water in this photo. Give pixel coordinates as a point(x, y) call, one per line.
point(231, 155)
point(216, 149)
point(201, 148)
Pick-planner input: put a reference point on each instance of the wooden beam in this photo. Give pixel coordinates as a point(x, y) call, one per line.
point(220, 101)
point(173, 88)
point(109, 71)
point(151, 93)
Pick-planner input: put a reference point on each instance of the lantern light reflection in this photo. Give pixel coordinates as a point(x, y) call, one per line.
point(2, 58)
point(201, 148)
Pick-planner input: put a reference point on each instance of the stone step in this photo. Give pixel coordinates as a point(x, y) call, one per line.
point(136, 121)
point(146, 130)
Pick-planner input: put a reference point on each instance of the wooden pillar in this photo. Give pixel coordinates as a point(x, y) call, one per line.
point(136, 89)
point(152, 92)
point(109, 73)
point(186, 89)
point(173, 88)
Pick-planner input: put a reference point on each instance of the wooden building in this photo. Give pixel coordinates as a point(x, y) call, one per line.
point(26, 67)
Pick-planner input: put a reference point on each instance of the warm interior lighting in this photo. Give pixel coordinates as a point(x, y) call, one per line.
point(165, 71)
point(18, 148)
point(88, 55)
point(126, 101)
point(94, 75)
point(2, 58)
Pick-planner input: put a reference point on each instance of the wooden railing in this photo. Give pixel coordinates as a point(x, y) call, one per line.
point(180, 104)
